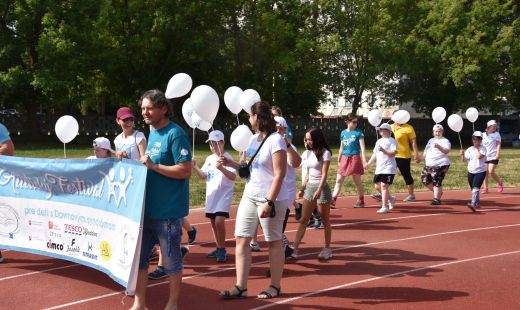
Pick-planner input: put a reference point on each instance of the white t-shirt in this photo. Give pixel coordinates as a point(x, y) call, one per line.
point(313, 166)
point(262, 172)
point(130, 144)
point(385, 164)
point(219, 189)
point(434, 156)
point(476, 165)
point(290, 180)
point(490, 142)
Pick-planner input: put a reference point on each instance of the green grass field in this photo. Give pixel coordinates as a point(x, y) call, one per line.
point(455, 179)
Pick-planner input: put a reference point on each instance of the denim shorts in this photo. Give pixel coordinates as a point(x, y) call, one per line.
point(166, 233)
point(325, 196)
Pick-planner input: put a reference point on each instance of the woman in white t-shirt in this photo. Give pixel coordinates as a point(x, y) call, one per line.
point(491, 140)
point(315, 190)
point(130, 143)
point(476, 157)
point(264, 202)
point(437, 163)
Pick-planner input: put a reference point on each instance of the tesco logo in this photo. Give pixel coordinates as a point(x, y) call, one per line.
point(73, 229)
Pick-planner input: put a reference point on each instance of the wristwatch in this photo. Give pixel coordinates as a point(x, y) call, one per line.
point(270, 202)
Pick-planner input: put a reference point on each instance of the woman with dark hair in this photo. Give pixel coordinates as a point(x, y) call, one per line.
point(315, 190)
point(264, 201)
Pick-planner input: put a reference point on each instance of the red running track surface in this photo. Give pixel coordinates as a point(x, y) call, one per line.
point(416, 257)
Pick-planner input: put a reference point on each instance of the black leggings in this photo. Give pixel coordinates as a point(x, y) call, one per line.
point(286, 219)
point(404, 167)
point(475, 180)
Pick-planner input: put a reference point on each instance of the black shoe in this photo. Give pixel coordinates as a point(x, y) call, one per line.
point(184, 251)
point(154, 255)
point(311, 222)
point(298, 212)
point(157, 274)
point(192, 235)
point(436, 202)
point(288, 251)
point(268, 273)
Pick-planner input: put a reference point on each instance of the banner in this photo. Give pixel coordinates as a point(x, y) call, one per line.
point(85, 211)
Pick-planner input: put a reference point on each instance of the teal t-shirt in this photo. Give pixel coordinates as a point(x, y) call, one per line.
point(4, 134)
point(167, 198)
point(350, 141)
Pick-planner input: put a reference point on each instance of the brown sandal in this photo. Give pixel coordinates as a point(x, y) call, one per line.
point(269, 295)
point(238, 295)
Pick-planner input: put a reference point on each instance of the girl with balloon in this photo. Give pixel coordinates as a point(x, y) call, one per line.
point(351, 159)
point(492, 140)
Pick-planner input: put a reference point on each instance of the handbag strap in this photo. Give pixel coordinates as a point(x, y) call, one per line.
point(258, 150)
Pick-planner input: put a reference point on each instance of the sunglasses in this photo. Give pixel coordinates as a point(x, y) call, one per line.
point(128, 120)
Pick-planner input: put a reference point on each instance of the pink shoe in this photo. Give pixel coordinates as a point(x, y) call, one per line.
point(500, 187)
point(485, 190)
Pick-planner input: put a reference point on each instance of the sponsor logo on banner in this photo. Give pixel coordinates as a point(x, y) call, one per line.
point(54, 246)
point(73, 247)
point(125, 254)
point(9, 220)
point(73, 229)
point(105, 251)
point(89, 233)
point(89, 253)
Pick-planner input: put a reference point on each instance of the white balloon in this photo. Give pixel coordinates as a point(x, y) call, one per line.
point(240, 138)
point(178, 86)
point(248, 98)
point(200, 123)
point(472, 114)
point(232, 99)
point(205, 102)
point(401, 117)
point(375, 118)
point(187, 112)
point(455, 122)
point(66, 128)
point(438, 114)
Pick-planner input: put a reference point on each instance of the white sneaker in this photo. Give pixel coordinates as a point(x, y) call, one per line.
point(255, 247)
point(326, 253)
point(409, 198)
point(383, 209)
point(391, 202)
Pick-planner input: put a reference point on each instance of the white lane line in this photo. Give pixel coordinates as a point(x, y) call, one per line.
point(303, 255)
point(382, 277)
point(37, 272)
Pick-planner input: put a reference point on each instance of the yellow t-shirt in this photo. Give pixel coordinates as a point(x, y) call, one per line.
point(404, 135)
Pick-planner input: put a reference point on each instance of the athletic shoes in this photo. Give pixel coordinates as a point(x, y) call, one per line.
point(318, 225)
point(500, 187)
point(383, 209)
point(326, 253)
point(294, 254)
point(212, 254)
point(312, 222)
point(184, 250)
point(154, 255)
point(157, 274)
point(333, 203)
point(377, 196)
point(288, 251)
point(391, 202)
point(485, 190)
point(472, 207)
point(359, 204)
point(192, 235)
point(298, 212)
point(409, 198)
point(221, 255)
point(255, 247)
point(436, 202)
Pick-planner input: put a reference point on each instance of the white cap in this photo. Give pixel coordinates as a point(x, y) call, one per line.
point(103, 143)
point(384, 126)
point(281, 121)
point(477, 134)
point(491, 123)
point(438, 126)
point(215, 135)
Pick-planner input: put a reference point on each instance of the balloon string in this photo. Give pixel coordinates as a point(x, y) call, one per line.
point(460, 141)
point(193, 144)
point(238, 121)
point(64, 151)
point(473, 126)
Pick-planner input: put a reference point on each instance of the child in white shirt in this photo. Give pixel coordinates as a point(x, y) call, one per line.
point(220, 181)
point(386, 167)
point(475, 156)
point(492, 141)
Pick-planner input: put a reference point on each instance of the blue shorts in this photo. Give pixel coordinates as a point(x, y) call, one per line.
point(166, 233)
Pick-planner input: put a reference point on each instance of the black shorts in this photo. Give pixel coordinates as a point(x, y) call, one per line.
point(494, 162)
point(214, 215)
point(385, 178)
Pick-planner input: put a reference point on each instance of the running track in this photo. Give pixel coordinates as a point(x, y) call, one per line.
point(416, 257)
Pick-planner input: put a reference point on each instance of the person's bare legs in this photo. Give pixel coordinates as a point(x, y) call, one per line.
point(307, 208)
point(410, 189)
point(325, 220)
point(175, 289)
point(492, 171)
point(385, 194)
point(437, 192)
point(242, 260)
point(140, 290)
point(276, 262)
point(220, 231)
point(359, 186)
point(339, 183)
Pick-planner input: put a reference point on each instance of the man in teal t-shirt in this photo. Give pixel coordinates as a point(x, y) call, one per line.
point(168, 159)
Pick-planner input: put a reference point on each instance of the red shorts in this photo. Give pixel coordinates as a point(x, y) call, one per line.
point(350, 165)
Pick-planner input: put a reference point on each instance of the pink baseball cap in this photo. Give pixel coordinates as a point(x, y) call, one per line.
point(124, 113)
